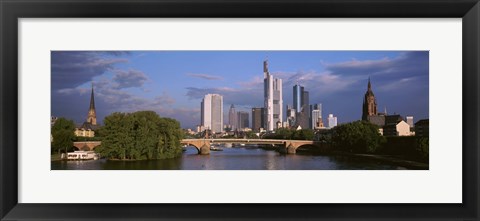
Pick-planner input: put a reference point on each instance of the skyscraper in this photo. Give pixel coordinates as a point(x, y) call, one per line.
point(243, 120)
point(297, 97)
point(291, 114)
point(316, 115)
point(273, 99)
point(300, 98)
point(369, 103)
point(212, 112)
point(301, 104)
point(257, 118)
point(232, 117)
point(332, 121)
point(305, 102)
point(315, 118)
point(92, 115)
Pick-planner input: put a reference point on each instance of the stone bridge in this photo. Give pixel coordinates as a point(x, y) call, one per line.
point(284, 146)
point(86, 145)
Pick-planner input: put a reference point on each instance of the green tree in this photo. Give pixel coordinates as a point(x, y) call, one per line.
point(140, 135)
point(63, 133)
point(170, 136)
point(251, 135)
point(303, 134)
point(357, 137)
point(118, 136)
point(422, 149)
point(283, 133)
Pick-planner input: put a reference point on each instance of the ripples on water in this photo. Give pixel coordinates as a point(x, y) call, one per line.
point(245, 158)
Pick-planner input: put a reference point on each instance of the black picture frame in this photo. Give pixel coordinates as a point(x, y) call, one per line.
point(11, 11)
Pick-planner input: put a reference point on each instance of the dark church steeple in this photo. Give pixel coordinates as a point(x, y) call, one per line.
point(369, 85)
point(369, 103)
point(92, 115)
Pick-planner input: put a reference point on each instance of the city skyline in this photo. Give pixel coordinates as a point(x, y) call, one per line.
point(172, 83)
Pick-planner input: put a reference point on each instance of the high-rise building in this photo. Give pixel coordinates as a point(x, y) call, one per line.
point(301, 104)
point(273, 99)
point(369, 103)
point(316, 114)
point(410, 121)
point(291, 114)
point(212, 112)
point(300, 98)
point(232, 117)
point(305, 102)
point(92, 115)
point(297, 97)
point(332, 121)
point(243, 121)
point(302, 119)
point(315, 118)
point(257, 118)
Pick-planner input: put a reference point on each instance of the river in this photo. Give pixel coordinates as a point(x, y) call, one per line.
point(244, 158)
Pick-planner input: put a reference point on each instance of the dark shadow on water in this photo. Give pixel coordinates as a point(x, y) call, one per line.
point(238, 158)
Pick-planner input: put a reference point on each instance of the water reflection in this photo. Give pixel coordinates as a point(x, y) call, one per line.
point(245, 158)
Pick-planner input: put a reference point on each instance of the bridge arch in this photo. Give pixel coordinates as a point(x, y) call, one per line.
point(285, 146)
point(202, 146)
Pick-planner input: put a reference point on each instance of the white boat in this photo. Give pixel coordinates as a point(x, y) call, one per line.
point(83, 155)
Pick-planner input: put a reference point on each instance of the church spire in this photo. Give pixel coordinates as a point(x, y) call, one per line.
point(369, 103)
point(92, 115)
point(92, 100)
point(369, 85)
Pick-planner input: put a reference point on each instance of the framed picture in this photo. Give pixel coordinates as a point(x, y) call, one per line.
point(312, 61)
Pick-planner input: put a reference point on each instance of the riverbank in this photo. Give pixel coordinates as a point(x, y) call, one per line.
point(390, 159)
point(396, 161)
point(56, 157)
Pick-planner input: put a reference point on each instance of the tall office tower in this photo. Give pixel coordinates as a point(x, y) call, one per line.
point(212, 112)
point(300, 98)
point(306, 110)
point(291, 114)
point(410, 121)
point(305, 102)
point(369, 103)
point(332, 121)
point(272, 88)
point(316, 114)
point(232, 117)
point(315, 118)
point(257, 118)
point(297, 97)
point(243, 121)
point(301, 104)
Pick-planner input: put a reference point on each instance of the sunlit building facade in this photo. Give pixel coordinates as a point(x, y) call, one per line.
point(273, 99)
point(212, 112)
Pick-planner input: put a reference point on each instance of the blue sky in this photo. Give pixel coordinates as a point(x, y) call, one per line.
point(172, 83)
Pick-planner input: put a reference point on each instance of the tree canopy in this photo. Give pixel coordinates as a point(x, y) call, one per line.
point(291, 134)
point(357, 137)
point(140, 135)
point(63, 133)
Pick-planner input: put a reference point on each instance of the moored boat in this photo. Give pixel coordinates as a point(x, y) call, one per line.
point(82, 155)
